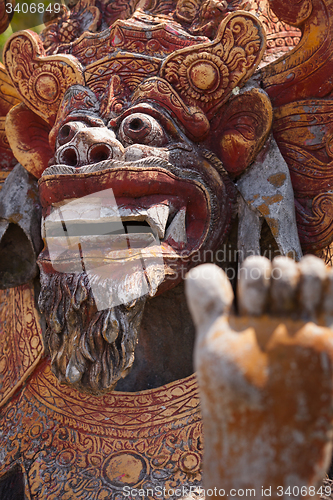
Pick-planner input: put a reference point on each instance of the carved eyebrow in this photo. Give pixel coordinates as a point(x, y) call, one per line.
point(90, 120)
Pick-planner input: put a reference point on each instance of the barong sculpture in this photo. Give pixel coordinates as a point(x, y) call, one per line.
point(138, 140)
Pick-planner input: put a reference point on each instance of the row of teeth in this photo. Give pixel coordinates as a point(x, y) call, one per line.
point(157, 216)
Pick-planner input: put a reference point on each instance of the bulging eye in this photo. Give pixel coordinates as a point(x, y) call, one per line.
point(141, 129)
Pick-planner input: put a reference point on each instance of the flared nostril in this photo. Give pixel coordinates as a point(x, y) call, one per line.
point(66, 133)
point(100, 152)
point(69, 157)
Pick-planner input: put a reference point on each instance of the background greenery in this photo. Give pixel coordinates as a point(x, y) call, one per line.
point(23, 21)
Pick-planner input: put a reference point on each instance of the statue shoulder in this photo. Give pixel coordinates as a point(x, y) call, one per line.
point(21, 346)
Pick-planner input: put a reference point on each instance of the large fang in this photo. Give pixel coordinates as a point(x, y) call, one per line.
point(177, 231)
point(76, 215)
point(157, 217)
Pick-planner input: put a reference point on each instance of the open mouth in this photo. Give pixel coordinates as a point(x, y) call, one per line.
point(94, 231)
point(139, 209)
point(103, 216)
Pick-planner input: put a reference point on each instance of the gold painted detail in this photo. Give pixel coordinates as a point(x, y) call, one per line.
point(280, 36)
point(131, 71)
point(8, 94)
point(142, 34)
point(40, 80)
point(206, 74)
point(21, 345)
point(3, 177)
point(72, 444)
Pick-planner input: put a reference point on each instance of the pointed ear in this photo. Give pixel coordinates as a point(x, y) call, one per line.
point(242, 130)
point(28, 137)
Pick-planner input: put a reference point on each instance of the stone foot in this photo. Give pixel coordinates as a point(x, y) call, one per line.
point(265, 376)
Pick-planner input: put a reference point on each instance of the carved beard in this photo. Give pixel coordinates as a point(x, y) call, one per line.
point(89, 349)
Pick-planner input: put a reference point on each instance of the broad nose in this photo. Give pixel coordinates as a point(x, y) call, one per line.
point(78, 145)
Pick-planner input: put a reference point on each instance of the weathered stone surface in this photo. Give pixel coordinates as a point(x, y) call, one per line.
point(20, 218)
point(267, 189)
point(266, 384)
point(158, 106)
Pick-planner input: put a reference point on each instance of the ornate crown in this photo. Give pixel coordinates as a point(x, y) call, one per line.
point(144, 57)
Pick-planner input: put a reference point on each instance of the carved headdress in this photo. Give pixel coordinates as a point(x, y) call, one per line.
point(144, 58)
point(191, 58)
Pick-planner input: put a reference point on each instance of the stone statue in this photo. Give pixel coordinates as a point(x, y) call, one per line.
point(265, 376)
point(138, 140)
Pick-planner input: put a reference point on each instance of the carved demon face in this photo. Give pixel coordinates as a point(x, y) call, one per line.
point(159, 179)
point(172, 201)
point(132, 193)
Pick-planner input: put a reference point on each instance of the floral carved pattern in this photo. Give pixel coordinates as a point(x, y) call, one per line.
point(21, 347)
point(77, 446)
point(207, 74)
point(41, 81)
point(130, 71)
point(155, 40)
point(70, 24)
point(72, 445)
point(303, 131)
point(280, 36)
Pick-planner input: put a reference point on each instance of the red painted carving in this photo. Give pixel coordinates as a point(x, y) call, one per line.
point(8, 99)
point(296, 86)
point(21, 347)
point(305, 71)
point(162, 103)
point(206, 75)
point(281, 37)
point(43, 80)
point(70, 24)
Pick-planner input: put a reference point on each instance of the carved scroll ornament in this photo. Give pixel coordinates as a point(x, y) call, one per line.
point(185, 124)
point(40, 80)
point(207, 74)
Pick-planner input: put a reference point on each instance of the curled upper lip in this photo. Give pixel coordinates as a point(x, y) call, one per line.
point(59, 182)
point(195, 188)
point(150, 161)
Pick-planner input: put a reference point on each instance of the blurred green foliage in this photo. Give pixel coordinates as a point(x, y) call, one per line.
point(26, 20)
point(3, 38)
